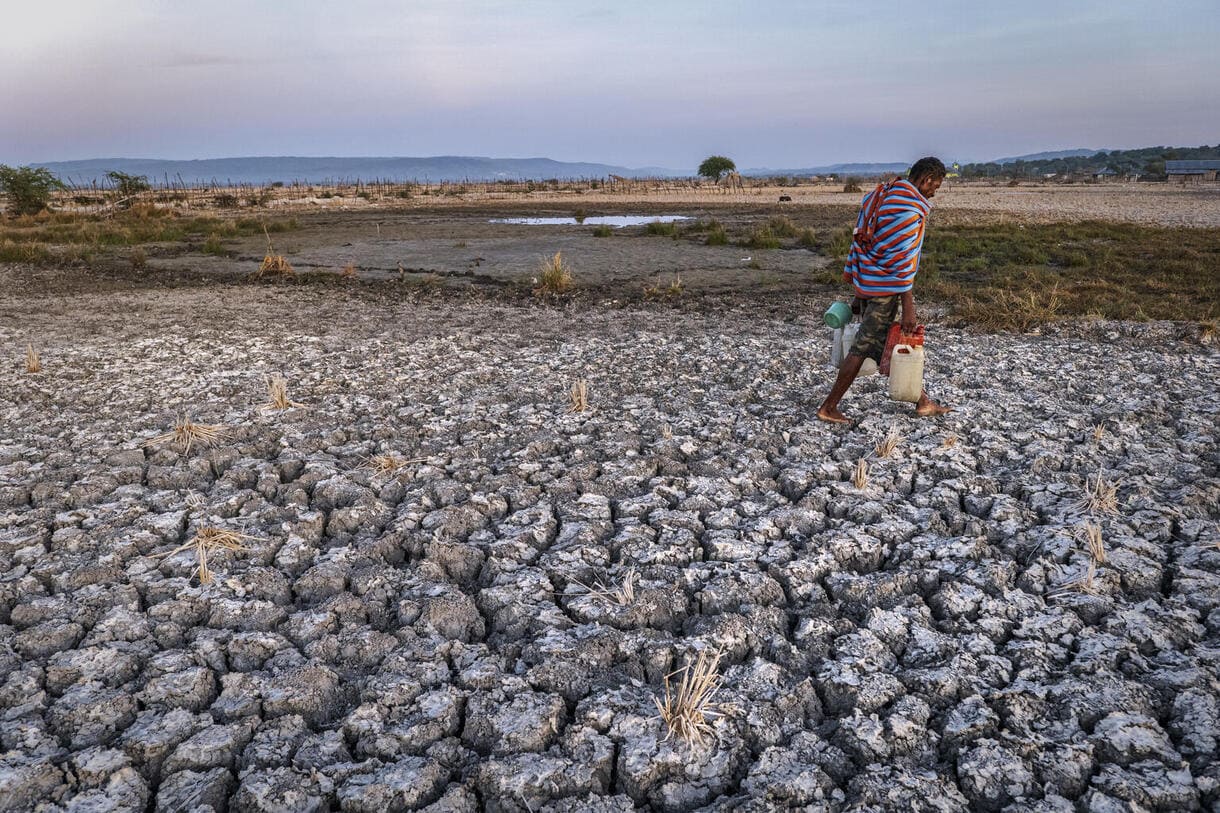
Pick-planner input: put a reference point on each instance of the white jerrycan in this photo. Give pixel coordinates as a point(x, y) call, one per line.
point(869, 367)
point(836, 347)
point(906, 373)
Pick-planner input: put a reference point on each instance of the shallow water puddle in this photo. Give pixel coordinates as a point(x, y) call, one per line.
point(617, 221)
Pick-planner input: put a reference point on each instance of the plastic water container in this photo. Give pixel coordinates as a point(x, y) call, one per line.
point(906, 373)
point(869, 367)
point(837, 315)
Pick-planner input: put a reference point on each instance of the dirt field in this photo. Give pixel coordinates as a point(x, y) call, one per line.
point(426, 610)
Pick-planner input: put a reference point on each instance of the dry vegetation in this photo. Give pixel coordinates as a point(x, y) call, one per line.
point(33, 363)
point(620, 595)
point(277, 390)
point(859, 477)
point(207, 540)
point(887, 445)
point(186, 433)
point(580, 395)
point(689, 711)
point(1100, 497)
point(554, 276)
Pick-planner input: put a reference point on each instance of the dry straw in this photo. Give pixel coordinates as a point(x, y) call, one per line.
point(33, 364)
point(859, 478)
point(1100, 497)
point(349, 271)
point(949, 442)
point(1081, 584)
point(622, 595)
point(277, 390)
point(889, 443)
point(1090, 534)
point(580, 395)
point(389, 463)
point(689, 712)
point(1099, 431)
point(209, 539)
point(274, 264)
point(187, 433)
point(554, 276)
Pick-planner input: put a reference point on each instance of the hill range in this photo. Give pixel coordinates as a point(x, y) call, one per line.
point(261, 171)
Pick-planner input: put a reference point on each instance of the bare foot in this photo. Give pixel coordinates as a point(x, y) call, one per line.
point(927, 408)
point(832, 416)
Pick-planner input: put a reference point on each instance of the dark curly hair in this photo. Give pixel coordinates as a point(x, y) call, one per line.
point(929, 167)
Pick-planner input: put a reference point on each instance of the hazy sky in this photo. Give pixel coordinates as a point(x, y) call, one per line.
point(662, 83)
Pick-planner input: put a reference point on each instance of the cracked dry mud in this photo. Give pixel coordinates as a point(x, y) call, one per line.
point(421, 639)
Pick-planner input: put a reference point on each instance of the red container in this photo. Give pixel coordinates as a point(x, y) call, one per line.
point(895, 338)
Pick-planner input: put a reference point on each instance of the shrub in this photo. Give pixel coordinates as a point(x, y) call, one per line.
point(225, 201)
point(782, 226)
point(579, 215)
point(128, 186)
point(28, 189)
point(852, 185)
point(138, 259)
point(806, 238)
point(213, 245)
point(717, 236)
point(603, 231)
point(761, 237)
point(554, 276)
point(661, 229)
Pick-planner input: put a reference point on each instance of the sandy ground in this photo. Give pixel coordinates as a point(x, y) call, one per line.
point(1196, 205)
point(935, 638)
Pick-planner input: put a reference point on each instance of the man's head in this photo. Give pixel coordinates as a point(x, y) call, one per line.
point(926, 175)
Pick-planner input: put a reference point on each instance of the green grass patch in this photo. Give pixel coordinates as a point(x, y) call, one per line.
point(761, 237)
point(660, 229)
point(603, 231)
point(782, 226)
point(1013, 276)
point(53, 236)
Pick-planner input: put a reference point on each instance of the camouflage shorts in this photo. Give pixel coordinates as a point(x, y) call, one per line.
point(879, 314)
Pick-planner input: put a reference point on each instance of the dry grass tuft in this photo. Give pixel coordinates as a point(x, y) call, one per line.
point(1100, 497)
point(580, 395)
point(205, 541)
point(277, 390)
point(889, 443)
point(622, 595)
point(1090, 534)
point(33, 364)
point(859, 478)
point(949, 442)
point(349, 271)
point(187, 433)
point(690, 711)
point(554, 276)
point(274, 264)
point(1099, 431)
point(1084, 583)
point(389, 463)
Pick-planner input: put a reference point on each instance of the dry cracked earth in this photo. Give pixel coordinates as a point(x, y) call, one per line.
point(936, 638)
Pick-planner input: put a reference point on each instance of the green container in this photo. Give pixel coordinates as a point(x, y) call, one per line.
point(837, 315)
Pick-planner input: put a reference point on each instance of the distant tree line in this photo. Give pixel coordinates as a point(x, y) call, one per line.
point(1146, 162)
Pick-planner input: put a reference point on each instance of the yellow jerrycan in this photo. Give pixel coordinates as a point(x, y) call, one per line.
point(906, 373)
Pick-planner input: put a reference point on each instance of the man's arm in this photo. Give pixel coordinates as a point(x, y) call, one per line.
point(909, 320)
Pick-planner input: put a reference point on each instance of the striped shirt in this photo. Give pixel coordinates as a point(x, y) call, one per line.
point(888, 266)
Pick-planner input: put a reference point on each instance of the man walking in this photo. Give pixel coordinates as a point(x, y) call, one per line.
point(881, 265)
